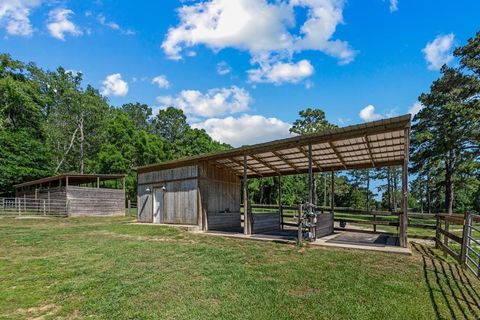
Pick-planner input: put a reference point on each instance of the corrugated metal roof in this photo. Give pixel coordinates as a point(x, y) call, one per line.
point(369, 145)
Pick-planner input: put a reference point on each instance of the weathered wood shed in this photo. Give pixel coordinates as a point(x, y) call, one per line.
point(75, 194)
point(206, 190)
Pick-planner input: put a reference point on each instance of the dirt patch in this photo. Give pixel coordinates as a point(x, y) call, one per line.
point(40, 312)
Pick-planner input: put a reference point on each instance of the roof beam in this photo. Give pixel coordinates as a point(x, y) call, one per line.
point(314, 161)
point(337, 154)
point(248, 167)
point(221, 165)
point(266, 164)
point(294, 167)
point(369, 149)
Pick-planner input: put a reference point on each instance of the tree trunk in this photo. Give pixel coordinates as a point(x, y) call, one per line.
point(429, 198)
point(82, 141)
point(324, 189)
point(389, 189)
point(395, 189)
point(72, 140)
point(368, 190)
point(449, 183)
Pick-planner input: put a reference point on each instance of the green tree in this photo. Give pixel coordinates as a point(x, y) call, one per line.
point(139, 113)
point(446, 132)
point(311, 121)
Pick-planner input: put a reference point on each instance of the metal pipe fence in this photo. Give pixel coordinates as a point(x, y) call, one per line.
point(23, 206)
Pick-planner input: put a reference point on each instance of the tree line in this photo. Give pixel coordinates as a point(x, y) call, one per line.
point(50, 124)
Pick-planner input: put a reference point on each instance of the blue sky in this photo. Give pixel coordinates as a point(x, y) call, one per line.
point(243, 69)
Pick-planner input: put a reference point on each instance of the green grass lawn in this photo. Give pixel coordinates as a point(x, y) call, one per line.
point(106, 268)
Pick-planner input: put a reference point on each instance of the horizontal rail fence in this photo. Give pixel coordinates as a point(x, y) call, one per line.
point(351, 216)
point(458, 235)
point(28, 207)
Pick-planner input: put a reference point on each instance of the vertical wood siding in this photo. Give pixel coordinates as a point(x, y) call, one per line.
point(83, 201)
point(180, 202)
point(220, 193)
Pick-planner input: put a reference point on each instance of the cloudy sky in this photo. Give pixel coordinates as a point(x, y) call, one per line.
point(243, 69)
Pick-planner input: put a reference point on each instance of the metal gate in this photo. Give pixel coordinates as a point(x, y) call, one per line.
point(472, 243)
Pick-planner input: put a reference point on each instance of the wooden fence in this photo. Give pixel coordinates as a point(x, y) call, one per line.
point(458, 235)
point(375, 219)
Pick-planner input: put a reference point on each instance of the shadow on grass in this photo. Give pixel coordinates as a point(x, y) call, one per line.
point(452, 291)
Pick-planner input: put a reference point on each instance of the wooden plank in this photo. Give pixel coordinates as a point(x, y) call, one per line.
point(452, 236)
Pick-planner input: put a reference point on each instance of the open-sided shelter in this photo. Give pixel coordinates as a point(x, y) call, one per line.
point(74, 194)
point(206, 190)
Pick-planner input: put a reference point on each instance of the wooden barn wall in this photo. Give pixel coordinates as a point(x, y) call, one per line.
point(264, 222)
point(220, 197)
point(83, 201)
point(144, 204)
point(156, 177)
point(180, 203)
point(56, 195)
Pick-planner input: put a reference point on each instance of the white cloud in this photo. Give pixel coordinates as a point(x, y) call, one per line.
point(368, 114)
point(246, 129)
point(15, 16)
point(438, 52)
point(113, 25)
point(59, 24)
point(161, 81)
point(215, 102)
point(113, 85)
point(393, 5)
point(281, 72)
point(415, 108)
point(261, 27)
point(223, 68)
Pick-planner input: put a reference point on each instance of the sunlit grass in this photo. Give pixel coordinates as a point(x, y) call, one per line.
point(108, 268)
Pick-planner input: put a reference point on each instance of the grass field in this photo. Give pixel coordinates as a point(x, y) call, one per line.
point(106, 268)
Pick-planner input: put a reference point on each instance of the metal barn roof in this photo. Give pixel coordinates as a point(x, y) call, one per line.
point(370, 145)
point(74, 178)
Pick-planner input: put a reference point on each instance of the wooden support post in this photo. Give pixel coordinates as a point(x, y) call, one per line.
point(246, 220)
point(465, 238)
point(437, 230)
point(310, 175)
point(404, 215)
point(66, 182)
point(300, 229)
point(280, 207)
point(332, 193)
point(325, 189)
point(98, 182)
point(25, 202)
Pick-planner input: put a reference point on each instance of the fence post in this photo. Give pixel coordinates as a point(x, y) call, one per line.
point(281, 217)
point(300, 229)
point(437, 231)
point(44, 211)
point(465, 238)
point(374, 222)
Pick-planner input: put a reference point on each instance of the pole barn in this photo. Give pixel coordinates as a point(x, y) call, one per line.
point(209, 191)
